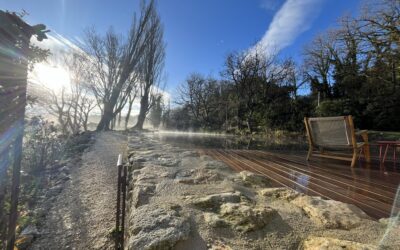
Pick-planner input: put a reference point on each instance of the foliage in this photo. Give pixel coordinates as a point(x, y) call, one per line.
point(258, 92)
point(350, 70)
point(43, 144)
point(356, 67)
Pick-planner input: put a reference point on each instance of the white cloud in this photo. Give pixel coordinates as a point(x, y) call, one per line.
point(292, 19)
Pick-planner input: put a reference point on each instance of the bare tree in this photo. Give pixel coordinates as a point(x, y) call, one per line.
point(248, 73)
point(151, 67)
point(115, 64)
point(318, 65)
point(131, 98)
point(202, 95)
point(71, 106)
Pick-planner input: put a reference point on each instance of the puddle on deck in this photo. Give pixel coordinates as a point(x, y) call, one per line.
point(220, 141)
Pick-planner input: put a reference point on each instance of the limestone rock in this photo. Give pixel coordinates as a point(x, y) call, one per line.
point(252, 179)
point(30, 230)
point(331, 213)
point(142, 193)
point(246, 218)
point(279, 193)
point(155, 227)
point(214, 220)
point(213, 201)
point(392, 221)
point(188, 154)
point(198, 176)
point(323, 243)
point(218, 245)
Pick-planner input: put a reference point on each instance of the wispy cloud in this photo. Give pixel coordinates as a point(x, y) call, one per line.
point(291, 20)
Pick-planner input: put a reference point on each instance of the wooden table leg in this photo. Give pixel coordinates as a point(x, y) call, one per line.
point(384, 156)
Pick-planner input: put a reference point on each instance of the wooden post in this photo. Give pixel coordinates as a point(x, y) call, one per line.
point(349, 121)
point(367, 153)
point(21, 88)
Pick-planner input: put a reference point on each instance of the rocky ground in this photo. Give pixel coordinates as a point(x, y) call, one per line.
point(180, 199)
point(77, 211)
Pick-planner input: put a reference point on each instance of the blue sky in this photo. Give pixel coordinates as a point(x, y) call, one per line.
point(199, 33)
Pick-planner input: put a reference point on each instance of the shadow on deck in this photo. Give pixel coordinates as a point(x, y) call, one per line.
point(370, 187)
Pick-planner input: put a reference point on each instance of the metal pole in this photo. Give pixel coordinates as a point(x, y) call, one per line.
point(124, 183)
point(118, 213)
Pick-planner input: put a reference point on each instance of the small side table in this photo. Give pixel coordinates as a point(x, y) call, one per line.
point(387, 144)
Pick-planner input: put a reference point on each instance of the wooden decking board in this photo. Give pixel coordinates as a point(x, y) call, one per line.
point(374, 171)
point(332, 191)
point(383, 195)
point(362, 175)
point(369, 189)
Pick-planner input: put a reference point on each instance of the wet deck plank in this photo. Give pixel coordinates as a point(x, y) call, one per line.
point(372, 188)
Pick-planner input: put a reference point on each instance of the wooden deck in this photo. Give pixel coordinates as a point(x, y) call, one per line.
point(370, 188)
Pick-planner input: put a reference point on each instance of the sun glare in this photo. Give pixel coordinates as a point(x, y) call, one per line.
point(52, 77)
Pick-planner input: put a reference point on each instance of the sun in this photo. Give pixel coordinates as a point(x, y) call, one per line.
point(52, 77)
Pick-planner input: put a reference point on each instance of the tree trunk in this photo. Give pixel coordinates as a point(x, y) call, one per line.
point(144, 105)
point(106, 118)
point(119, 119)
point(128, 115)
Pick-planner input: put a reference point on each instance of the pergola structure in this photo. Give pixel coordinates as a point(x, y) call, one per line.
point(16, 53)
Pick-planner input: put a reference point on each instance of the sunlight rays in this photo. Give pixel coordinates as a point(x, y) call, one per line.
point(52, 77)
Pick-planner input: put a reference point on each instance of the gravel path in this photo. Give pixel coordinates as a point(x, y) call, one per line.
point(82, 215)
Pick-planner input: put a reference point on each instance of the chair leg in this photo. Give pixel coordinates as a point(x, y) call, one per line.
point(367, 153)
point(354, 159)
point(309, 153)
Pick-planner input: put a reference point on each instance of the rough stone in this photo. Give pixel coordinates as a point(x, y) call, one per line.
point(279, 193)
point(215, 200)
point(198, 176)
point(64, 176)
point(54, 191)
point(217, 245)
point(393, 221)
point(142, 193)
point(324, 243)
point(331, 213)
point(65, 169)
point(246, 218)
point(252, 179)
point(214, 220)
point(157, 228)
point(30, 230)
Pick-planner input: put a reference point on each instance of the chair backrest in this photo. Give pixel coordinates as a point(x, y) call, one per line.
point(330, 131)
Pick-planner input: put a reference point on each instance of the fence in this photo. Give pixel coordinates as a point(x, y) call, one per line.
point(121, 199)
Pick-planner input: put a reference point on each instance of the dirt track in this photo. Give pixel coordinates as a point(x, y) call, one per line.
point(82, 215)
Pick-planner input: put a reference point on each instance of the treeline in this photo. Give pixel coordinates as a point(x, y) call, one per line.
point(350, 70)
point(109, 73)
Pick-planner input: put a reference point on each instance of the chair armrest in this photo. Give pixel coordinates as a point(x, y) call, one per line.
point(360, 132)
point(363, 134)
